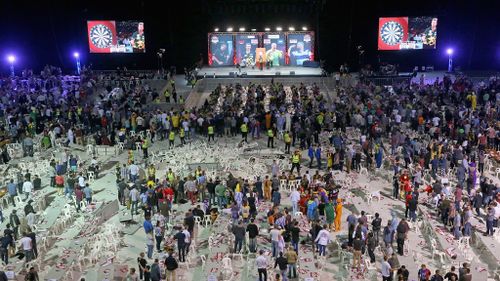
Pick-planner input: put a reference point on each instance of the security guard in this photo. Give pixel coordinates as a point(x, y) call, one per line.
point(151, 172)
point(270, 138)
point(171, 138)
point(182, 134)
point(211, 134)
point(296, 161)
point(145, 145)
point(244, 131)
point(288, 142)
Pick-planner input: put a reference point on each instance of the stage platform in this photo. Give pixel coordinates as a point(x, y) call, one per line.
point(278, 71)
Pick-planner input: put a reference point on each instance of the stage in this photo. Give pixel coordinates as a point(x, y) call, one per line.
point(278, 71)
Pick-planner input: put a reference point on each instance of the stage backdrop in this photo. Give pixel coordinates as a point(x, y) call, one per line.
point(246, 44)
point(220, 49)
point(108, 36)
point(300, 47)
point(407, 33)
point(275, 45)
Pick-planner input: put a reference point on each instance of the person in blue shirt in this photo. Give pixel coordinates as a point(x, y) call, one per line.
point(317, 153)
point(12, 189)
point(88, 193)
point(276, 198)
point(310, 153)
point(181, 244)
point(148, 226)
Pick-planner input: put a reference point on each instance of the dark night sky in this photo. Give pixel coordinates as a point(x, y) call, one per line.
point(49, 31)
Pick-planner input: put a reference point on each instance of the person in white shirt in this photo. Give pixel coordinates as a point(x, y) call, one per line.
point(187, 240)
point(31, 219)
point(275, 234)
point(262, 264)
point(295, 198)
point(386, 270)
point(134, 200)
point(27, 245)
point(27, 189)
point(134, 172)
point(323, 239)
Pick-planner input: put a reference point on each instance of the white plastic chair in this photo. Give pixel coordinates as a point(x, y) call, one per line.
point(91, 176)
point(283, 184)
point(464, 243)
point(207, 219)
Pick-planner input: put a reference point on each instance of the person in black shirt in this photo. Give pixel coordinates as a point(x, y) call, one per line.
point(295, 231)
point(211, 192)
point(253, 231)
point(142, 264)
point(376, 226)
point(197, 212)
point(403, 272)
point(251, 203)
point(181, 244)
point(171, 265)
point(189, 222)
point(448, 276)
point(282, 262)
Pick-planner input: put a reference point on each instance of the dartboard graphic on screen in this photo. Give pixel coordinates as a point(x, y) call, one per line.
point(101, 36)
point(392, 33)
point(109, 36)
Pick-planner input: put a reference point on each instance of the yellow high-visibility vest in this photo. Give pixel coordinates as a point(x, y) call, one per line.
point(244, 128)
point(210, 130)
point(171, 136)
point(296, 159)
point(270, 133)
point(182, 133)
point(287, 138)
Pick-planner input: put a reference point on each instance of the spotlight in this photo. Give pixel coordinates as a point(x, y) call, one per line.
point(11, 58)
point(242, 29)
point(216, 29)
point(291, 28)
point(253, 29)
point(449, 51)
point(279, 28)
point(76, 54)
point(304, 28)
point(267, 29)
point(229, 29)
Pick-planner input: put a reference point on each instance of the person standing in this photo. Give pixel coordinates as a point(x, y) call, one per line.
point(181, 244)
point(386, 270)
point(376, 227)
point(317, 154)
point(171, 266)
point(262, 264)
point(27, 246)
point(142, 263)
point(211, 133)
point(132, 275)
point(150, 244)
point(296, 161)
point(323, 238)
point(423, 273)
point(155, 271)
point(371, 244)
point(288, 142)
point(14, 222)
point(88, 193)
point(239, 236)
point(253, 232)
point(295, 198)
point(291, 258)
point(357, 245)
point(338, 214)
point(275, 233)
point(244, 131)
point(270, 138)
point(32, 275)
point(12, 189)
point(282, 263)
point(437, 276)
point(134, 200)
point(401, 234)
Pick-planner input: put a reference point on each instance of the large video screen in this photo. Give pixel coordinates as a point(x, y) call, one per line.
point(221, 51)
point(116, 36)
point(300, 48)
point(246, 44)
point(275, 46)
point(407, 33)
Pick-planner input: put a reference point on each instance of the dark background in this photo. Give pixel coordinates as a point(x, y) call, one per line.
point(48, 32)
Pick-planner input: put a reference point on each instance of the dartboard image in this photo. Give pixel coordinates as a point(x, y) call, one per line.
point(392, 33)
point(101, 36)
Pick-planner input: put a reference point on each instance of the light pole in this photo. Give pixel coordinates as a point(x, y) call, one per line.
point(11, 59)
point(77, 57)
point(449, 51)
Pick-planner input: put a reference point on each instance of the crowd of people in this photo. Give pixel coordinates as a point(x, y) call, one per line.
point(426, 134)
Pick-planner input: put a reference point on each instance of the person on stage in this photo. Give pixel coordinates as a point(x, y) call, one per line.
point(274, 55)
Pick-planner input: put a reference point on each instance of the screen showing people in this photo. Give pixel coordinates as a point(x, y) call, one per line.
point(246, 46)
point(275, 46)
point(299, 48)
point(116, 36)
point(221, 50)
point(407, 33)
